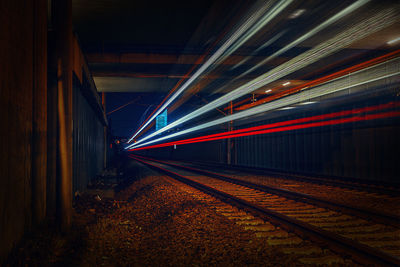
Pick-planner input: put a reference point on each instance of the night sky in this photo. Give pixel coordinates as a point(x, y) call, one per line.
point(127, 119)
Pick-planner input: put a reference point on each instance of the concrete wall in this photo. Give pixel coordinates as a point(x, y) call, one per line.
point(23, 29)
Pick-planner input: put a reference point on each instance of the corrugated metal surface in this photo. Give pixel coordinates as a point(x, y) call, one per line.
point(364, 150)
point(214, 151)
point(88, 141)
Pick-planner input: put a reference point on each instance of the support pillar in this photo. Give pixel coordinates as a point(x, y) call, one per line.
point(229, 140)
point(63, 42)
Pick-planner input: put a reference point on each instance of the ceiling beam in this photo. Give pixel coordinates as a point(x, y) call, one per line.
point(111, 73)
point(150, 58)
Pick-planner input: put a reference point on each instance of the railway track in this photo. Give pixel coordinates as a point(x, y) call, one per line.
point(370, 200)
point(380, 217)
point(366, 238)
point(354, 184)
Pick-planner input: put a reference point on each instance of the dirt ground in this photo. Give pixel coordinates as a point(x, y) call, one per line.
point(149, 221)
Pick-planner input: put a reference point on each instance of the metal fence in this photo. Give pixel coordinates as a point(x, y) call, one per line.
point(88, 141)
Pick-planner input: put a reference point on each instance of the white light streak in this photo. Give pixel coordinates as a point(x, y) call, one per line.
point(308, 103)
point(336, 85)
point(286, 108)
point(243, 29)
point(272, 13)
point(286, 83)
point(297, 13)
point(393, 41)
point(269, 90)
point(314, 31)
point(357, 32)
point(270, 41)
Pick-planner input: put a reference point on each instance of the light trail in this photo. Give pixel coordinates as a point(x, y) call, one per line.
point(220, 52)
point(271, 14)
point(270, 41)
point(333, 86)
point(198, 61)
point(311, 33)
point(302, 123)
point(289, 122)
point(362, 29)
point(324, 79)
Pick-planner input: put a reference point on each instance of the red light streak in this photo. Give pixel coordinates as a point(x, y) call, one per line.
point(310, 125)
point(317, 117)
point(292, 125)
